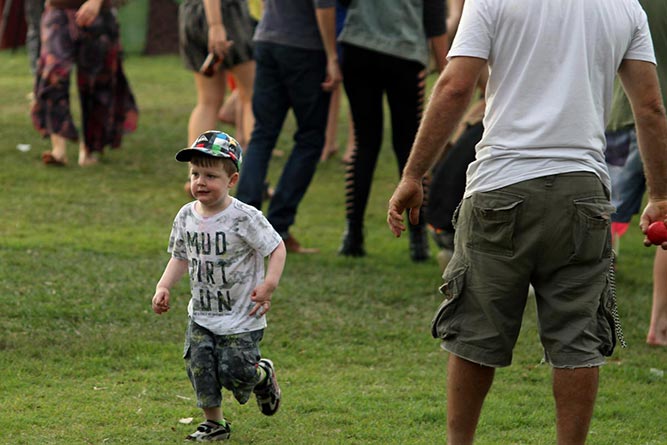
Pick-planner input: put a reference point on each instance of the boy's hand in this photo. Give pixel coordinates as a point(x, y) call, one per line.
point(261, 295)
point(161, 300)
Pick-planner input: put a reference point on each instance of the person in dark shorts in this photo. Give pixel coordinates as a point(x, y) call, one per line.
point(223, 30)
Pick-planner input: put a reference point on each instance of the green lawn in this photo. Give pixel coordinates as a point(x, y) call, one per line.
point(83, 360)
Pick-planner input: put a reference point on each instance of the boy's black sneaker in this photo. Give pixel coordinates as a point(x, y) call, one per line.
point(268, 392)
point(209, 431)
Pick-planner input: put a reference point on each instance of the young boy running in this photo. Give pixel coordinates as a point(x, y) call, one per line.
point(222, 243)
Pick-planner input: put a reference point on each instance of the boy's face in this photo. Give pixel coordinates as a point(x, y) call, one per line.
point(210, 186)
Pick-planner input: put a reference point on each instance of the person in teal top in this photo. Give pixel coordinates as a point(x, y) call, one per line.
point(386, 51)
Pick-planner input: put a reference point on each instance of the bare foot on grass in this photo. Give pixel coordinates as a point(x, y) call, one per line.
point(87, 157)
point(657, 335)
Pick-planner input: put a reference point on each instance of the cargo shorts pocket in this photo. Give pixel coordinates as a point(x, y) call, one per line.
point(492, 222)
point(444, 325)
point(591, 234)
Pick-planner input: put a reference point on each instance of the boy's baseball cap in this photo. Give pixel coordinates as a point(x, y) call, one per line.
point(214, 143)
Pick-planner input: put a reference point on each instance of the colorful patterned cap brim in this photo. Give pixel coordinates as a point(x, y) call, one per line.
point(213, 143)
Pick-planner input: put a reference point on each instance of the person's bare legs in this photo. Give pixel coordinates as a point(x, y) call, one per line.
point(230, 108)
point(574, 391)
point(86, 157)
point(245, 119)
point(210, 95)
point(657, 331)
point(330, 140)
point(467, 386)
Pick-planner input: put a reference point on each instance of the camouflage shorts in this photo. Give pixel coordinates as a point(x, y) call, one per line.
point(215, 361)
point(193, 33)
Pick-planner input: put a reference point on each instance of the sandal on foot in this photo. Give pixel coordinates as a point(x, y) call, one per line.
point(49, 159)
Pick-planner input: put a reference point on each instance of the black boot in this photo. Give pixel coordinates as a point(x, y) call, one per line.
point(419, 250)
point(353, 241)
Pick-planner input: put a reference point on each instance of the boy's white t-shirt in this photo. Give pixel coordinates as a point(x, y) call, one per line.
point(225, 255)
point(552, 66)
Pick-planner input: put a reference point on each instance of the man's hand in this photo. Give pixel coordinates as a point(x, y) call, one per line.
point(408, 195)
point(654, 211)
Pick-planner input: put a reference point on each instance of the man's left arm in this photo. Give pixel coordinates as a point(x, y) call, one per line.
point(640, 82)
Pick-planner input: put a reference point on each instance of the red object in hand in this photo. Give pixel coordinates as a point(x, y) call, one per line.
point(657, 233)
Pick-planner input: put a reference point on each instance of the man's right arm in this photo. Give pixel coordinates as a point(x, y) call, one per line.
point(449, 99)
point(326, 22)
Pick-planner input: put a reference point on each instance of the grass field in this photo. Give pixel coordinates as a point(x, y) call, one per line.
point(83, 360)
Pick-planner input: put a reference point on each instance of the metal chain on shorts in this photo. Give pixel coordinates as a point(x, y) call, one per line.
point(614, 306)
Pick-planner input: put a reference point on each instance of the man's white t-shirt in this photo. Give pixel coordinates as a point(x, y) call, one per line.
point(225, 254)
point(551, 71)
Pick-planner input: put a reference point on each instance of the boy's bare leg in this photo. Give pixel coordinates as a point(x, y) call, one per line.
point(657, 331)
point(574, 391)
point(213, 413)
point(467, 386)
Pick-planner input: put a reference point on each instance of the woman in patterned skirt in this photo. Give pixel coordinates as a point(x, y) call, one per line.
point(85, 34)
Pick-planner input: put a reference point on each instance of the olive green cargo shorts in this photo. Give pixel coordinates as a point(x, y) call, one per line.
point(552, 232)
